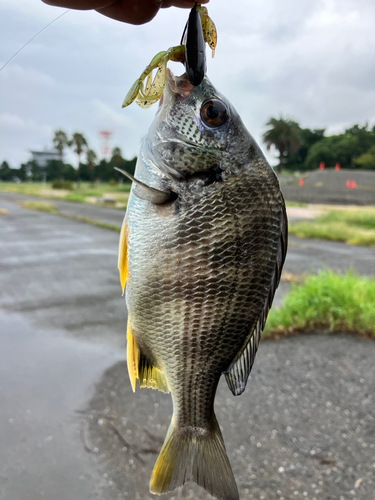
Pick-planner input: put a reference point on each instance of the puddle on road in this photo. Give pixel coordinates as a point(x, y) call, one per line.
point(45, 380)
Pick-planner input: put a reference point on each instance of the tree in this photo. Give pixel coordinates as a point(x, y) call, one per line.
point(60, 141)
point(53, 170)
point(117, 158)
point(308, 138)
point(91, 161)
point(285, 135)
point(5, 171)
point(31, 171)
point(79, 144)
point(366, 160)
point(343, 148)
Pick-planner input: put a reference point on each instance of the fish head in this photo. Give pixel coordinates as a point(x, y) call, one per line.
point(197, 133)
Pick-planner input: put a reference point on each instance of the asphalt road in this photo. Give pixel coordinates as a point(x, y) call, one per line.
point(70, 427)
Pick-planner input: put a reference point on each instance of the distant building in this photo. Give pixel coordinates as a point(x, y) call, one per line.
point(41, 158)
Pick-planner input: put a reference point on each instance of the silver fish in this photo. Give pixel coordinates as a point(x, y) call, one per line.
point(201, 250)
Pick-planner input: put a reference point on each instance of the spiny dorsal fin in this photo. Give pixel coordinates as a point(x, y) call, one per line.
point(239, 371)
point(148, 193)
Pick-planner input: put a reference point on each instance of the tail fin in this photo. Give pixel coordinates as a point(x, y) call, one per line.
point(190, 455)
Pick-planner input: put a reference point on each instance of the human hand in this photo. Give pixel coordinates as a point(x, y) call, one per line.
point(127, 11)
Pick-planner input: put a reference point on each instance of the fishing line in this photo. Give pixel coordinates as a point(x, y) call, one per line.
point(31, 39)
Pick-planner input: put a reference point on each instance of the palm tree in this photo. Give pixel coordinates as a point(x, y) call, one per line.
point(117, 158)
point(79, 142)
point(60, 141)
point(91, 160)
point(285, 135)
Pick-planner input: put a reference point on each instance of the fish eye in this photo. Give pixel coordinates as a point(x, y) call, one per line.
point(214, 113)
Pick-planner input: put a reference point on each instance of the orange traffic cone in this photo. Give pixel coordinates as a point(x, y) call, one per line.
point(337, 166)
point(321, 166)
point(353, 184)
point(348, 184)
point(300, 182)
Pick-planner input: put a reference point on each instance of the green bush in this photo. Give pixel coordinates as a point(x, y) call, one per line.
point(61, 184)
point(328, 301)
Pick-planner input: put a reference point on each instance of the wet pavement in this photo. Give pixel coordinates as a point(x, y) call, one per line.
point(303, 429)
point(70, 427)
point(44, 379)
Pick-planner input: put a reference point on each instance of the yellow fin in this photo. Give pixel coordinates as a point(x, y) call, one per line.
point(140, 368)
point(188, 454)
point(122, 263)
point(132, 357)
point(150, 376)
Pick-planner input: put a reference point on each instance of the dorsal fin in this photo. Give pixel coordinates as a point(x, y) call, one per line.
point(148, 193)
point(238, 373)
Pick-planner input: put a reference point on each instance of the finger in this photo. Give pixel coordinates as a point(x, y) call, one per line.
point(132, 11)
point(183, 4)
point(79, 4)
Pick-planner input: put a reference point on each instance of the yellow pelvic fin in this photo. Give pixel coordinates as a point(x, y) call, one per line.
point(122, 263)
point(132, 357)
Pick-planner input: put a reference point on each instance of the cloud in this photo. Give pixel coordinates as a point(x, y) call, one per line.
point(307, 60)
point(14, 123)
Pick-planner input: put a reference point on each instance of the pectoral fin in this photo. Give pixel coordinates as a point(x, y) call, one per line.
point(148, 193)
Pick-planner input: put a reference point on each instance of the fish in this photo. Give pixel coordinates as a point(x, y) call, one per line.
point(201, 252)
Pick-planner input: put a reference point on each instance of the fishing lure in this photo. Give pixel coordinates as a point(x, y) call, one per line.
point(200, 29)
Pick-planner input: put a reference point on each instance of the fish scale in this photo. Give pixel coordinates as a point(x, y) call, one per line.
point(202, 269)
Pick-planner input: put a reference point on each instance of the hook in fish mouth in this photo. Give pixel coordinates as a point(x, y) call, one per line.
point(179, 84)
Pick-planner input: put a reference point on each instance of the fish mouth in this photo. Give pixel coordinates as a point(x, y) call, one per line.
point(179, 84)
point(175, 85)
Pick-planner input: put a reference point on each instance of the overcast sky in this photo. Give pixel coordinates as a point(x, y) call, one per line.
point(313, 61)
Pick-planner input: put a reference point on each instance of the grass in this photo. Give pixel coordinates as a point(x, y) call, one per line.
point(355, 227)
point(327, 301)
point(97, 223)
point(81, 194)
point(43, 206)
point(296, 204)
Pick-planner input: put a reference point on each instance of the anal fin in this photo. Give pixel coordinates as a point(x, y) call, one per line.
point(150, 376)
point(140, 367)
